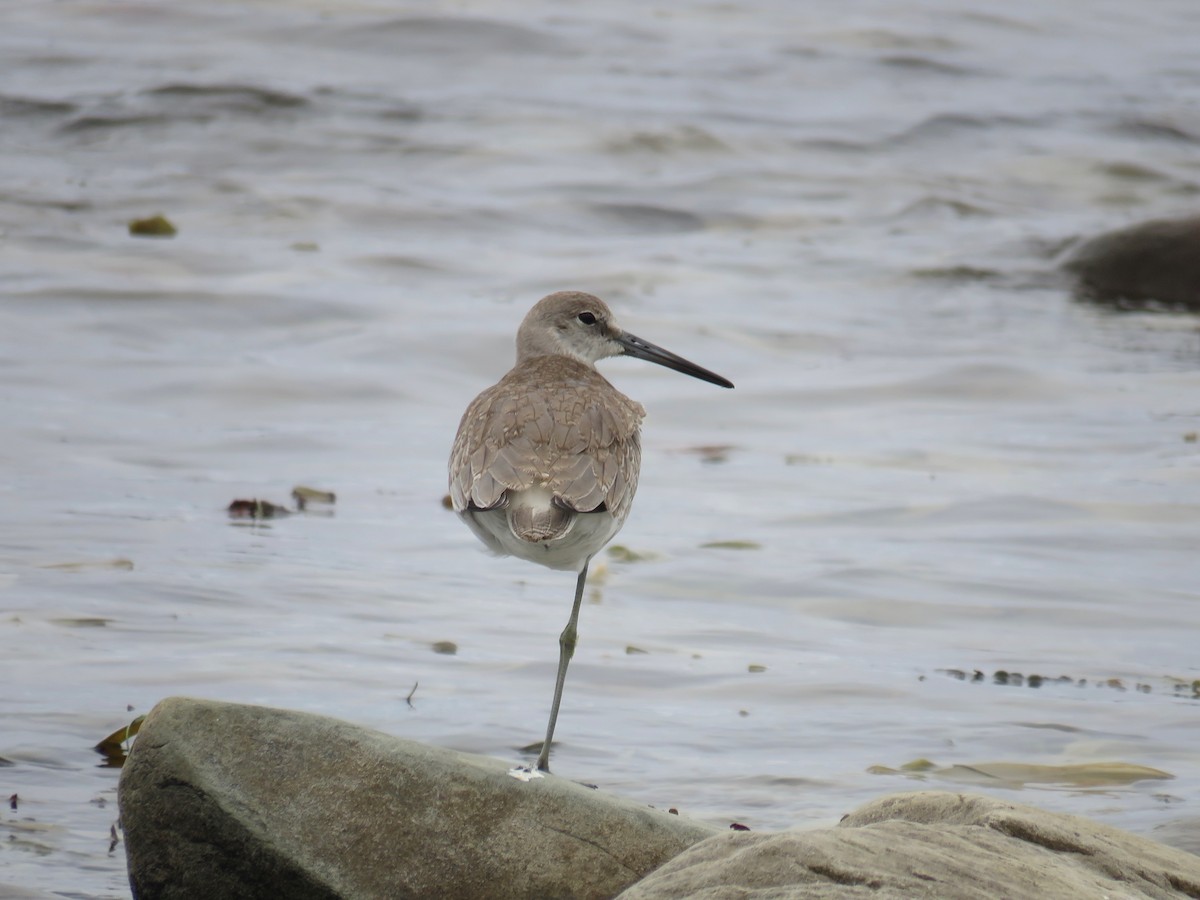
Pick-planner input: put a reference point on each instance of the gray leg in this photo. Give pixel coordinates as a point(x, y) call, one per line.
point(566, 649)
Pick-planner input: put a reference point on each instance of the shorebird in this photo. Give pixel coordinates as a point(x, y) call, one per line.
point(545, 462)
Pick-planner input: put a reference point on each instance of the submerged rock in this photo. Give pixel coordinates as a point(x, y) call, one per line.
point(1154, 265)
point(226, 800)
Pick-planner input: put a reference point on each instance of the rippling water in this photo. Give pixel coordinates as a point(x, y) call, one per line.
point(934, 458)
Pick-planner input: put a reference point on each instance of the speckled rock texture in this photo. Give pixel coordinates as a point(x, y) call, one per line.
point(930, 845)
point(233, 801)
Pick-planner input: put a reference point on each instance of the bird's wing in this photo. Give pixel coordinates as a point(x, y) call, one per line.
point(550, 422)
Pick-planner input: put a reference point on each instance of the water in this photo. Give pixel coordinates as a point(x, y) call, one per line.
point(934, 458)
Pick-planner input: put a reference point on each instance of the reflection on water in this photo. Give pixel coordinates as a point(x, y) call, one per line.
point(934, 459)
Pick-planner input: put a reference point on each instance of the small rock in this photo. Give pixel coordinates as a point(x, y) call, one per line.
point(1154, 265)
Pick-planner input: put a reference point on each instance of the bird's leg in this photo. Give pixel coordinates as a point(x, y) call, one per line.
point(566, 649)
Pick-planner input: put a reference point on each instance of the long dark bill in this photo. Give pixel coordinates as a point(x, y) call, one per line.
point(636, 347)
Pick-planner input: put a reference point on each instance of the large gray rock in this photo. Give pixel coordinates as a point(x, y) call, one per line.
point(232, 801)
point(930, 845)
point(1154, 264)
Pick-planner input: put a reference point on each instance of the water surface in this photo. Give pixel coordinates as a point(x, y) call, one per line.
point(934, 459)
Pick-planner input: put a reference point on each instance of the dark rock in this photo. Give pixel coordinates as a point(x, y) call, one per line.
point(1155, 265)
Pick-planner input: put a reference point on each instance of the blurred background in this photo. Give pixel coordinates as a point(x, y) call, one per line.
point(938, 464)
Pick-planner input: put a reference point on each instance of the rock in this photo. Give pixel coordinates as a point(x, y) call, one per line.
point(226, 800)
point(931, 844)
point(1152, 265)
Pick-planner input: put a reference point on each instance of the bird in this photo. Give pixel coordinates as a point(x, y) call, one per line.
point(545, 462)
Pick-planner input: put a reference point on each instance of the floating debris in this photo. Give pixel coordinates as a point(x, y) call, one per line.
point(738, 826)
point(82, 622)
point(447, 502)
point(956, 273)
point(1016, 679)
point(732, 545)
point(631, 650)
point(622, 554)
point(115, 747)
point(807, 459)
point(755, 667)
point(711, 453)
point(408, 699)
point(1082, 775)
point(1015, 775)
point(1183, 686)
point(155, 226)
point(119, 562)
point(447, 648)
point(257, 509)
point(306, 495)
point(13, 801)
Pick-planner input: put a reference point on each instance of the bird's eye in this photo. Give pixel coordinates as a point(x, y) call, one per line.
point(587, 318)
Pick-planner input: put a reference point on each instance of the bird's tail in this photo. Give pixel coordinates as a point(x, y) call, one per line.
point(533, 516)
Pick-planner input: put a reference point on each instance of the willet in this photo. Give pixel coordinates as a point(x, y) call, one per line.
point(545, 462)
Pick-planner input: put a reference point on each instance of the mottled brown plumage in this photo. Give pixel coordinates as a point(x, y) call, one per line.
point(576, 435)
point(545, 463)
